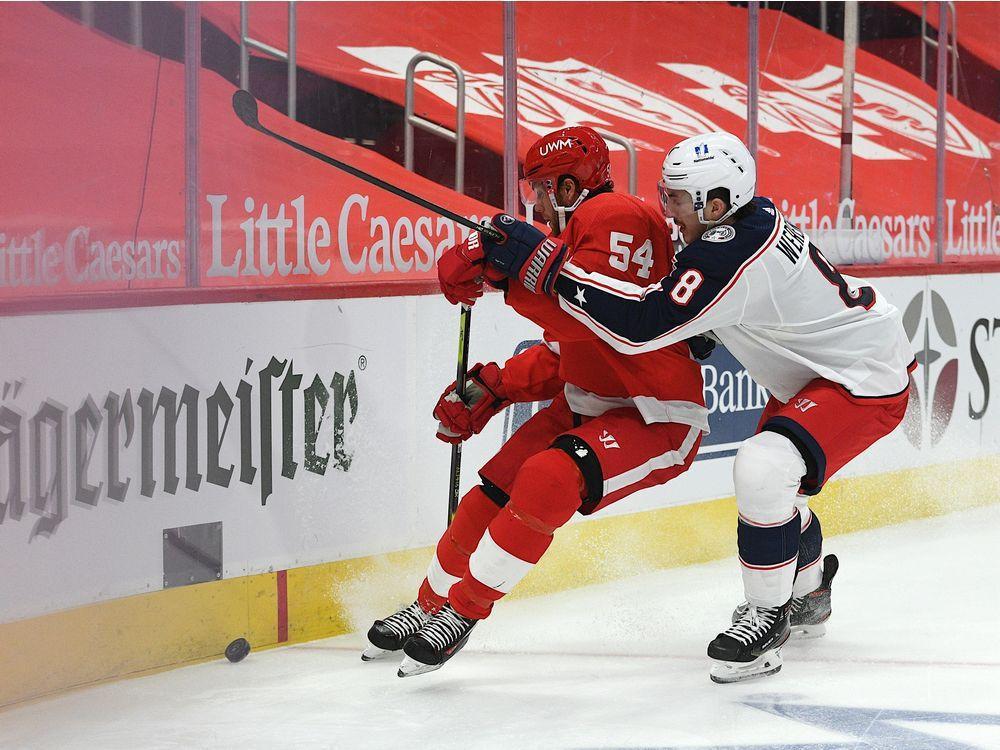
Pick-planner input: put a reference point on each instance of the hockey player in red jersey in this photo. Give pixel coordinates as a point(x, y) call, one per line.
point(831, 351)
point(616, 424)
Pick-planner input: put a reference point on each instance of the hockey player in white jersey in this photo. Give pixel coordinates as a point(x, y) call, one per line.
point(831, 351)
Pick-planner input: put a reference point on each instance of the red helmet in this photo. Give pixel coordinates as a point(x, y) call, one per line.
point(576, 151)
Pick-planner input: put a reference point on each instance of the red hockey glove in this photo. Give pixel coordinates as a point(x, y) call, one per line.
point(484, 397)
point(460, 271)
point(525, 254)
point(493, 277)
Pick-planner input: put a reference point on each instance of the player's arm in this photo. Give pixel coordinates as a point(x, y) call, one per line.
point(533, 375)
point(691, 300)
point(700, 294)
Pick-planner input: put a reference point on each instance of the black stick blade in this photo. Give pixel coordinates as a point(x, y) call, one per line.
point(245, 107)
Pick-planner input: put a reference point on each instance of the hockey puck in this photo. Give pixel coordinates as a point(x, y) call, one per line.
point(237, 650)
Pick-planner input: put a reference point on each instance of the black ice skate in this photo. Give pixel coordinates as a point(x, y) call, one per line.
point(751, 647)
point(389, 634)
point(440, 638)
point(809, 612)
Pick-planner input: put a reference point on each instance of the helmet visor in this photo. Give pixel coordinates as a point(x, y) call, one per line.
point(661, 190)
point(534, 191)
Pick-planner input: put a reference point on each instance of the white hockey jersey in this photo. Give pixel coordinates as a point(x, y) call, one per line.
point(768, 294)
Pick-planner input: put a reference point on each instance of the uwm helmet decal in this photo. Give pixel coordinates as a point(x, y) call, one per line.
point(557, 145)
point(933, 385)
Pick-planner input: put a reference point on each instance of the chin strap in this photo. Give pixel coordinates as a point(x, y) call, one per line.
point(563, 212)
point(709, 224)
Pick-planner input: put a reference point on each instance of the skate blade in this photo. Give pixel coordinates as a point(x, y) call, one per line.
point(410, 667)
point(806, 632)
point(374, 652)
point(725, 672)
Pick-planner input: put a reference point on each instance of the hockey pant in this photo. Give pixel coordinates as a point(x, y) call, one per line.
point(798, 445)
point(555, 465)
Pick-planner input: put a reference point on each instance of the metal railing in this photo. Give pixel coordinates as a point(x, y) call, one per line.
point(633, 161)
point(192, 69)
point(510, 160)
point(135, 22)
point(850, 53)
point(951, 41)
point(940, 154)
point(135, 19)
point(247, 43)
point(753, 75)
point(411, 120)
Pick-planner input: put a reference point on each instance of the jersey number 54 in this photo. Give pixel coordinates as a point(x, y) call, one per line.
point(622, 253)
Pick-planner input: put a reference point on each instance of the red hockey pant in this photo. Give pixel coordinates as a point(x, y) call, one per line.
point(493, 541)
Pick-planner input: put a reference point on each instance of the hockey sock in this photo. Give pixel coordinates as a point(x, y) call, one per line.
point(810, 570)
point(547, 491)
point(768, 556)
point(451, 558)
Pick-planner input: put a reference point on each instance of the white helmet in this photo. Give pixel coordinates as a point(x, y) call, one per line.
point(702, 163)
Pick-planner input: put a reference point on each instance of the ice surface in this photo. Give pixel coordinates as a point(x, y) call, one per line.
point(911, 660)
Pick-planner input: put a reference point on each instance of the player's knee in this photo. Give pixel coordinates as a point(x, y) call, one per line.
point(548, 487)
point(766, 474)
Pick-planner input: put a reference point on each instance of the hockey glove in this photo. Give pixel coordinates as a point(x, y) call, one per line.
point(525, 254)
point(460, 271)
point(701, 346)
point(484, 397)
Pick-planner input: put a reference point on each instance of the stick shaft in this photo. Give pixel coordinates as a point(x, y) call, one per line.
point(373, 180)
point(464, 329)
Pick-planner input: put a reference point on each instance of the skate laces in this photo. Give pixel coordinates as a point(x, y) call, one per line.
point(406, 621)
point(444, 628)
point(753, 623)
point(799, 604)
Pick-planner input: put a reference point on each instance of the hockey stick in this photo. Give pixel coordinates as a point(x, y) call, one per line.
point(245, 107)
point(464, 325)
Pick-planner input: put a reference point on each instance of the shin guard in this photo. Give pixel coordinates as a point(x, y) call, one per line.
point(809, 573)
point(547, 491)
point(768, 556)
point(451, 558)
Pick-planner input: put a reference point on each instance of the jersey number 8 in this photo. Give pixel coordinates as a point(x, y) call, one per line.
point(863, 296)
point(686, 286)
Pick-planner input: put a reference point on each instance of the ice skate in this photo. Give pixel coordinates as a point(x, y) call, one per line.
point(809, 612)
point(440, 638)
point(388, 635)
point(751, 647)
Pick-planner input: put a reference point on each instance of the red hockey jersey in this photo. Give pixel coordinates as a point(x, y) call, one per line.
point(619, 236)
